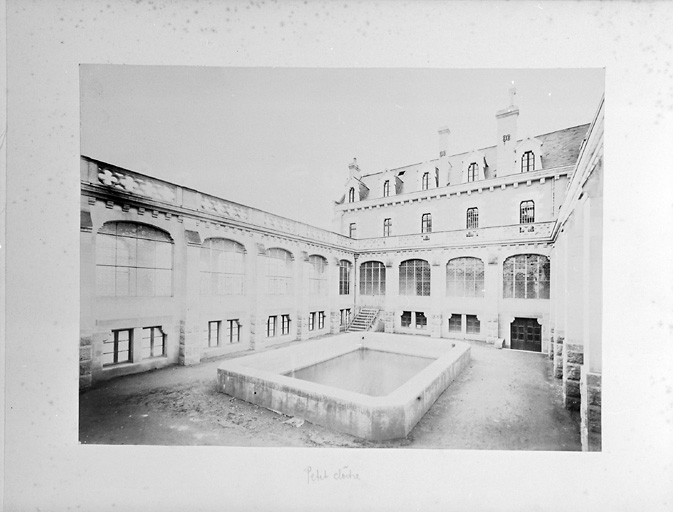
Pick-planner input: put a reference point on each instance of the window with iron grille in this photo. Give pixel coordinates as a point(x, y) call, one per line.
point(133, 260)
point(472, 324)
point(472, 172)
point(526, 276)
point(317, 279)
point(222, 267)
point(425, 181)
point(351, 195)
point(387, 223)
point(278, 272)
point(271, 326)
point(214, 333)
point(285, 326)
point(321, 319)
point(527, 212)
point(421, 320)
point(386, 188)
point(406, 318)
point(528, 161)
point(352, 230)
point(233, 331)
point(372, 278)
point(465, 277)
point(118, 349)
point(153, 342)
point(472, 218)
point(426, 223)
point(415, 277)
point(455, 323)
point(344, 277)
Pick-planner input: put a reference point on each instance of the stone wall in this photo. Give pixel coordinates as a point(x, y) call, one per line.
point(590, 428)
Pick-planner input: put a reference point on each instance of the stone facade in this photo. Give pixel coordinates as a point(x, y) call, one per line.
point(288, 284)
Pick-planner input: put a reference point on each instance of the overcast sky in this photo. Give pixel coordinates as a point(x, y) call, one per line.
point(281, 139)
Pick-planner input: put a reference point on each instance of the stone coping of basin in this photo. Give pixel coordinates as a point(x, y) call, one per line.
point(407, 404)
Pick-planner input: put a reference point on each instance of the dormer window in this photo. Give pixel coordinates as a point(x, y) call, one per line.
point(425, 181)
point(351, 195)
point(528, 161)
point(386, 188)
point(472, 172)
point(472, 218)
point(527, 212)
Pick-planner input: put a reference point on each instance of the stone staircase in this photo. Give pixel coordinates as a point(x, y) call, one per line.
point(363, 320)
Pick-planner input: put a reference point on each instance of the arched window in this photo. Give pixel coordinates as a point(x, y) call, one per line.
point(278, 272)
point(372, 278)
point(526, 276)
point(527, 212)
point(425, 181)
point(465, 277)
point(472, 218)
point(387, 224)
point(386, 188)
point(528, 161)
point(472, 172)
point(222, 267)
point(317, 279)
point(344, 277)
point(351, 195)
point(133, 260)
point(426, 223)
point(414, 277)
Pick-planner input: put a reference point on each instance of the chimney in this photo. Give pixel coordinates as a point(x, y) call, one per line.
point(507, 136)
point(444, 133)
point(354, 169)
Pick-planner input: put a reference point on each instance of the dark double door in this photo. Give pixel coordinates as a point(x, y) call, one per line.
point(526, 334)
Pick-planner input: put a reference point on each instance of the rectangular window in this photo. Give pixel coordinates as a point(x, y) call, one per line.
point(426, 223)
point(345, 316)
point(118, 349)
point(311, 320)
point(406, 318)
point(472, 218)
point(352, 230)
point(153, 342)
point(233, 331)
point(344, 277)
point(285, 326)
point(271, 326)
point(387, 224)
point(321, 320)
point(455, 323)
point(473, 325)
point(421, 320)
point(214, 333)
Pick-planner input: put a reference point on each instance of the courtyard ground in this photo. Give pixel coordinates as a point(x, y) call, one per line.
point(504, 400)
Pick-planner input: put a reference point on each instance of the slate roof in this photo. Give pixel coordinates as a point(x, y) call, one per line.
point(559, 148)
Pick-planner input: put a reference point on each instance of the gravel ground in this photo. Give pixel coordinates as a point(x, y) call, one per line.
point(505, 400)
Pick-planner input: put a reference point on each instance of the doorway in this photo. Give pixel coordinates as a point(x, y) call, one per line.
point(526, 334)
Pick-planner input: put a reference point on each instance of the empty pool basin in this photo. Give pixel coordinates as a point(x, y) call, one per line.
point(416, 370)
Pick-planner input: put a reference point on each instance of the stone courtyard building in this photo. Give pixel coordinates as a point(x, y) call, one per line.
point(501, 244)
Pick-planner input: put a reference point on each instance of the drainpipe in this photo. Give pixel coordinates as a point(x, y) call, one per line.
point(356, 274)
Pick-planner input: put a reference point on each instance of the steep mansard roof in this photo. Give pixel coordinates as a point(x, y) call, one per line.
point(559, 148)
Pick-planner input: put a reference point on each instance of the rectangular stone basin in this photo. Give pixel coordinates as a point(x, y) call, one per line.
point(263, 379)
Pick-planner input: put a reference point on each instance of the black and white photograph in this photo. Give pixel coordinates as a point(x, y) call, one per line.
point(441, 291)
point(356, 255)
